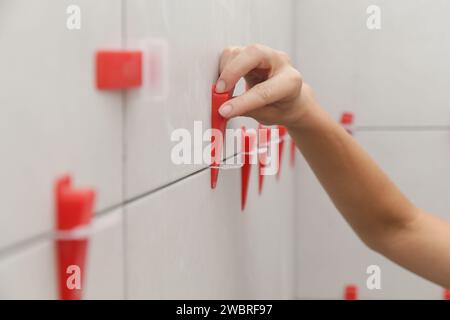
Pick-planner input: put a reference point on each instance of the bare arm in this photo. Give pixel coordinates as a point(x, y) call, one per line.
point(374, 207)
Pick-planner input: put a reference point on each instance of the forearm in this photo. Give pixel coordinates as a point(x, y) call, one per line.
point(364, 195)
point(375, 208)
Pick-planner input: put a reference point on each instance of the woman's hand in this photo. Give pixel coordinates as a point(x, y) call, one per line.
point(275, 92)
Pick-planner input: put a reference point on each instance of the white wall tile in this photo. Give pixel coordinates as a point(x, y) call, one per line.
point(195, 33)
point(189, 242)
point(185, 241)
point(52, 118)
point(30, 272)
point(389, 77)
point(270, 234)
point(331, 256)
point(106, 258)
point(327, 37)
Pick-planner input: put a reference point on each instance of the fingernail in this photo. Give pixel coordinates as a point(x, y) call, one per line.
point(220, 86)
point(225, 110)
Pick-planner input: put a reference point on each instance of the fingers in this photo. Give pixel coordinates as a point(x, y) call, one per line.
point(227, 55)
point(247, 59)
point(283, 85)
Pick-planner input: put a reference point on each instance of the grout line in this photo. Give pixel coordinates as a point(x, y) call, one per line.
point(107, 210)
point(171, 183)
point(49, 234)
point(150, 192)
point(24, 244)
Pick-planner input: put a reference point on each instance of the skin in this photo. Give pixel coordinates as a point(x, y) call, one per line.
point(384, 219)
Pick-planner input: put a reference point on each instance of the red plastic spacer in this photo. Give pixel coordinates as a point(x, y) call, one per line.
point(73, 206)
point(293, 150)
point(118, 69)
point(446, 294)
point(281, 133)
point(217, 122)
point(74, 209)
point(351, 292)
point(262, 156)
point(248, 141)
point(347, 118)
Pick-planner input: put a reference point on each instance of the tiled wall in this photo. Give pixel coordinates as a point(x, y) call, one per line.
point(159, 230)
point(395, 81)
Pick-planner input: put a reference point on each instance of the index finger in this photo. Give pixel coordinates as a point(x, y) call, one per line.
point(265, 93)
point(252, 57)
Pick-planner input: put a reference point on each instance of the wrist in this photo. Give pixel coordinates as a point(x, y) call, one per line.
point(306, 108)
